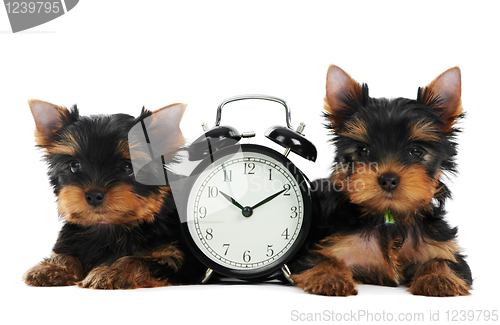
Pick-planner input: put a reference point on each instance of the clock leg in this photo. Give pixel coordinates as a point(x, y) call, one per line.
point(287, 274)
point(208, 275)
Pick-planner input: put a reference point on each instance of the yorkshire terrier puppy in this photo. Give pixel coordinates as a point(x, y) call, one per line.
point(382, 209)
point(118, 233)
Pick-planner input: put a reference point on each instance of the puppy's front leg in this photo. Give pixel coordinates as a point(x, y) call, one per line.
point(58, 270)
point(329, 277)
point(442, 278)
point(128, 272)
point(144, 270)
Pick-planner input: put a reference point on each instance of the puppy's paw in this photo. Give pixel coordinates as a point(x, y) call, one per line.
point(436, 279)
point(326, 279)
point(438, 285)
point(327, 285)
point(126, 273)
point(106, 277)
point(49, 275)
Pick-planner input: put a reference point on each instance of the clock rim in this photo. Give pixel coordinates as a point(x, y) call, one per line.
point(268, 270)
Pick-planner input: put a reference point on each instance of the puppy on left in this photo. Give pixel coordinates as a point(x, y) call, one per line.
point(118, 233)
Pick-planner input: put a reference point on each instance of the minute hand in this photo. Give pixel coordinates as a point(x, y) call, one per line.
point(268, 199)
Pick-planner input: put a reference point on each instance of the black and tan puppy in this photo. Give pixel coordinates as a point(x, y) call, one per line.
point(118, 233)
point(383, 206)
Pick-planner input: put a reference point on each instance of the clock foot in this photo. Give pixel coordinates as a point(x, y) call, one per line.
point(208, 275)
point(287, 273)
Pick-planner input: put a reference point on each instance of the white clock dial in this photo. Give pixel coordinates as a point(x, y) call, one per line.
point(245, 212)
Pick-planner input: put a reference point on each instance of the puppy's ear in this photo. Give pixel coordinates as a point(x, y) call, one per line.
point(48, 119)
point(159, 131)
point(444, 95)
point(154, 141)
point(165, 126)
point(343, 95)
point(170, 118)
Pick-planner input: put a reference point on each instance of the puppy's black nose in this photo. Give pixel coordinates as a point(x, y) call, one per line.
point(388, 181)
point(94, 198)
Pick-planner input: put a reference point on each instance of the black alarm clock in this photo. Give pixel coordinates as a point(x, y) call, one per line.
point(246, 208)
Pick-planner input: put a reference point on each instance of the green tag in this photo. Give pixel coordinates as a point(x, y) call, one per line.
point(388, 217)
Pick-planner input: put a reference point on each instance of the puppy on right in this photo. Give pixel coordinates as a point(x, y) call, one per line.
point(382, 218)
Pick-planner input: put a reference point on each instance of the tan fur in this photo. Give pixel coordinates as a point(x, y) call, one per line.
point(334, 100)
point(329, 277)
point(168, 254)
point(125, 273)
point(58, 270)
point(353, 249)
point(427, 250)
point(170, 144)
point(437, 279)
point(131, 272)
point(43, 134)
point(414, 191)
point(356, 130)
point(363, 256)
point(451, 102)
point(122, 149)
point(424, 131)
point(67, 145)
point(120, 206)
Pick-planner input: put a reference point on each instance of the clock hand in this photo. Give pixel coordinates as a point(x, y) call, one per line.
point(230, 199)
point(268, 199)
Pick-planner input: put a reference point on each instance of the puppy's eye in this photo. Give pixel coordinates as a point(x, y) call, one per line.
point(417, 152)
point(364, 152)
point(75, 166)
point(127, 169)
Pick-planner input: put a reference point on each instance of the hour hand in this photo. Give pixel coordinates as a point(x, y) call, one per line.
point(230, 199)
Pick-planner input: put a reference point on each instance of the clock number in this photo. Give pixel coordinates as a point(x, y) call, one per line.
point(203, 212)
point(246, 256)
point(227, 248)
point(287, 188)
point(209, 235)
point(285, 234)
point(249, 169)
point(294, 212)
point(228, 176)
point(270, 174)
point(270, 251)
point(213, 191)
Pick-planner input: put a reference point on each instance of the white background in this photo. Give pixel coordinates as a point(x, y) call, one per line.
point(116, 56)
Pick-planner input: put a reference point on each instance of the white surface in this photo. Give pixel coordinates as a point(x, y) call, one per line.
point(116, 56)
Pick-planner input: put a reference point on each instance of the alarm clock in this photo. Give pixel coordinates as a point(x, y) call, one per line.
point(246, 208)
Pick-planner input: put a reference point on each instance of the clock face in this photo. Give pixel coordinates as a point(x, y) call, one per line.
point(246, 211)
